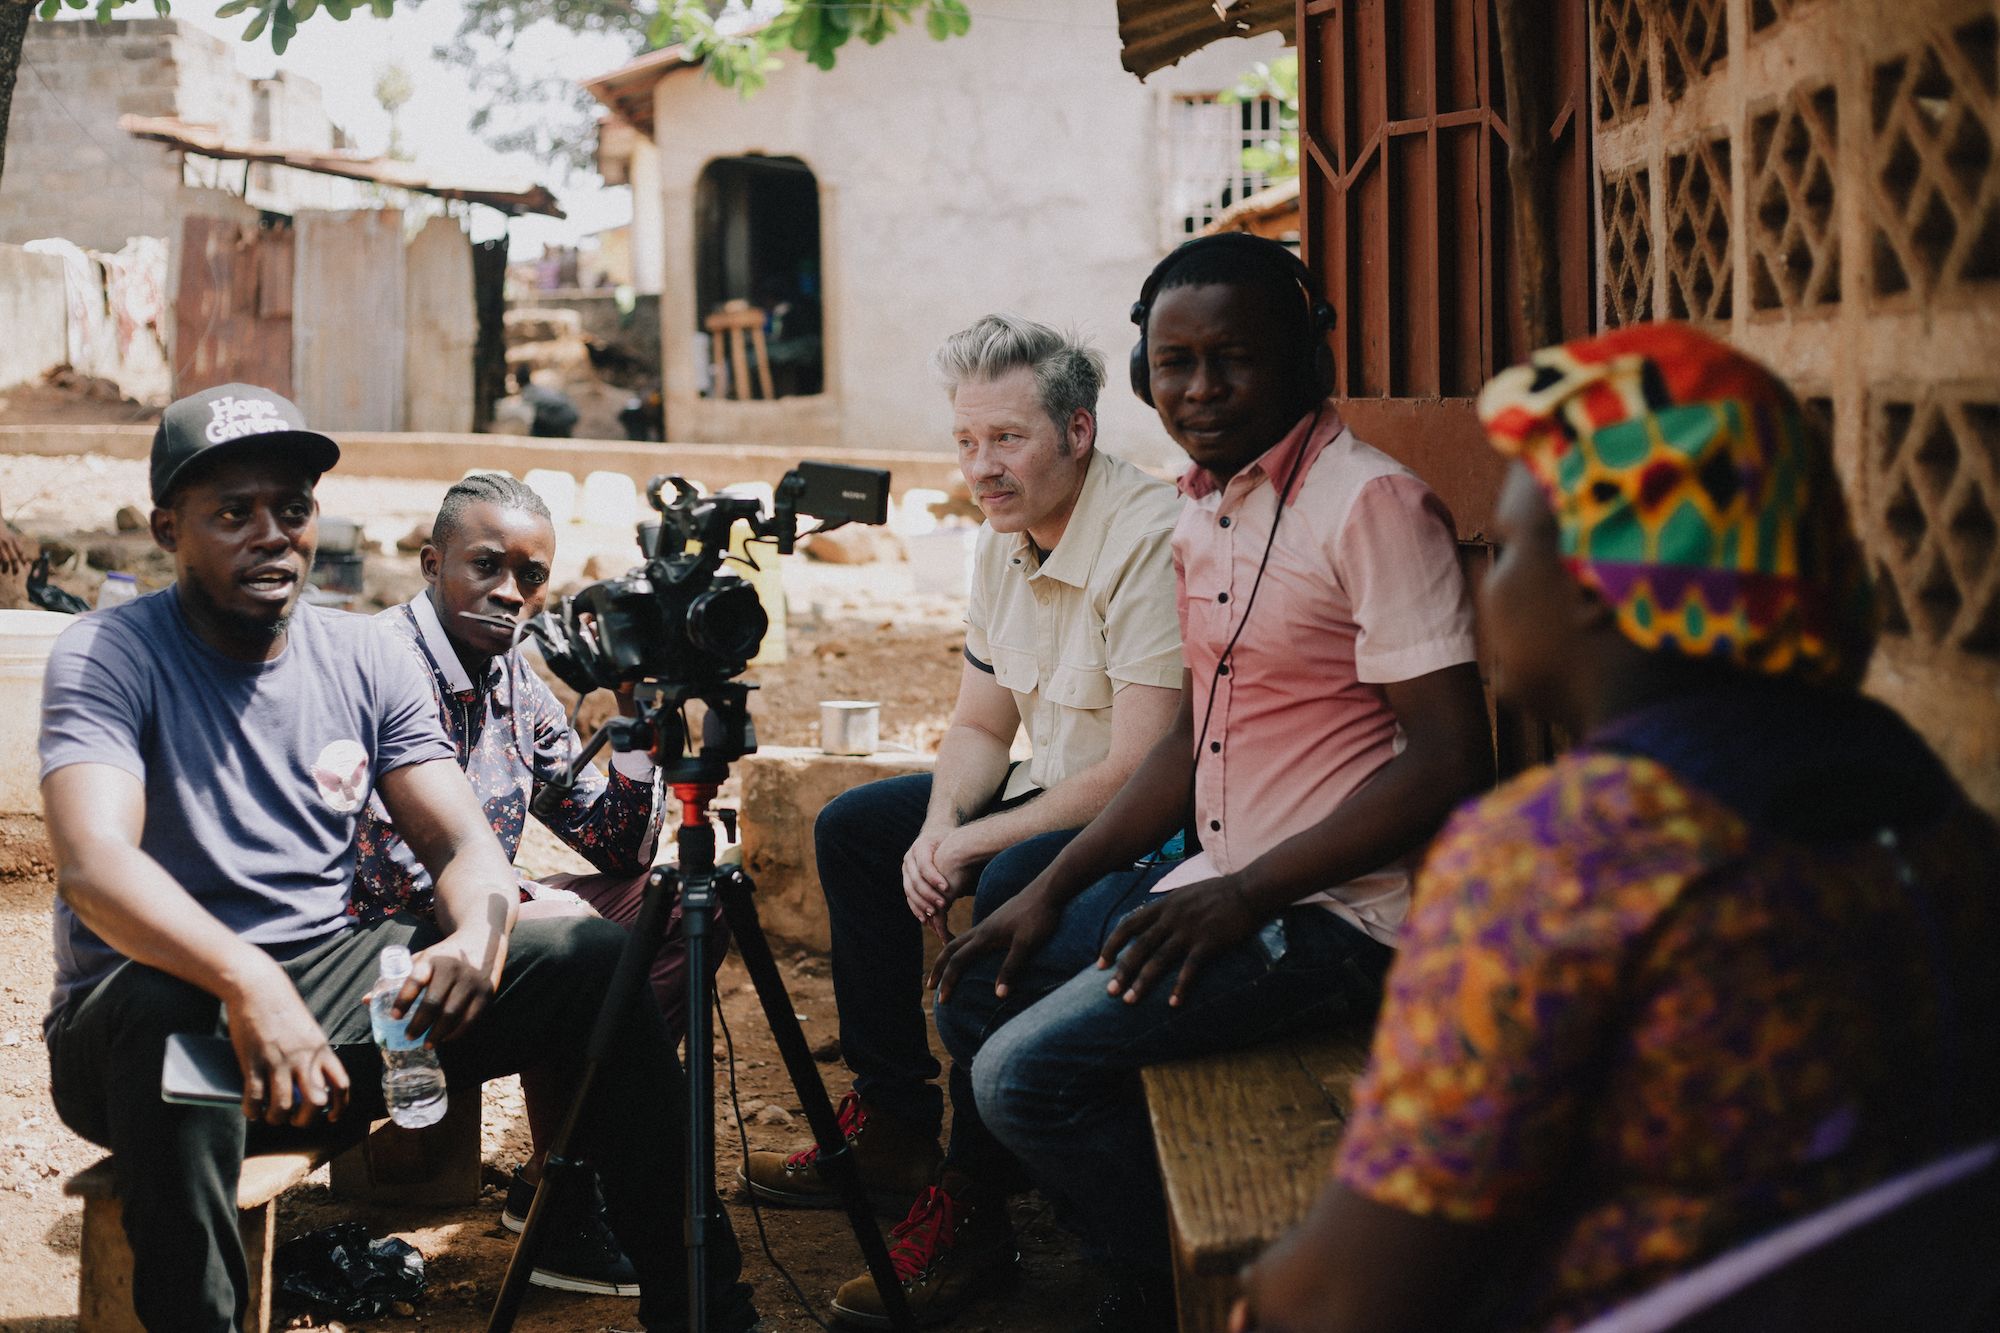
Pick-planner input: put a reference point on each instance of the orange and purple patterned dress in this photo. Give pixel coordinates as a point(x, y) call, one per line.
point(1726, 964)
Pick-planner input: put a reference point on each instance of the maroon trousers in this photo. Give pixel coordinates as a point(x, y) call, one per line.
point(617, 898)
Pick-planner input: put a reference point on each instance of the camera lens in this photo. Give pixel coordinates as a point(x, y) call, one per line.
point(726, 621)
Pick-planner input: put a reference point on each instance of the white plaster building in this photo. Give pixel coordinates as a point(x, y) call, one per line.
point(913, 188)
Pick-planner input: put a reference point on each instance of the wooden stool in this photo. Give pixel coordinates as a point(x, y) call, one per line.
point(104, 1277)
point(738, 318)
point(1245, 1141)
point(436, 1166)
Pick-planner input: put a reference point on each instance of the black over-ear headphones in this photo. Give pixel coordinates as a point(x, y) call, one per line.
point(1318, 355)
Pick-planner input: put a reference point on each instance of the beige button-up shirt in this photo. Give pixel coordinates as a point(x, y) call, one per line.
point(1062, 634)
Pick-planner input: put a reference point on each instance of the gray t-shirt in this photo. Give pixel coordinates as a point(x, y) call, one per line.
point(255, 772)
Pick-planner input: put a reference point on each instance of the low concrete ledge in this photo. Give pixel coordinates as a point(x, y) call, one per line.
point(428, 457)
point(784, 789)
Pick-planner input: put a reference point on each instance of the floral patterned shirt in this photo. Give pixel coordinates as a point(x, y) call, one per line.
point(612, 822)
point(1635, 1026)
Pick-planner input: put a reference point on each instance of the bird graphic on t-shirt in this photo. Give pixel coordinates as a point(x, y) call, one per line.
point(342, 774)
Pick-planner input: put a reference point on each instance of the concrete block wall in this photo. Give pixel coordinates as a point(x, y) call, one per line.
point(1816, 180)
point(70, 171)
point(37, 315)
point(430, 457)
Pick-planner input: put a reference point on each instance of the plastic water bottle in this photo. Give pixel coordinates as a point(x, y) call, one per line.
point(116, 590)
point(412, 1082)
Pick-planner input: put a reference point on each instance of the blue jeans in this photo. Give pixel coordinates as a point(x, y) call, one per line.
point(1055, 1065)
point(860, 839)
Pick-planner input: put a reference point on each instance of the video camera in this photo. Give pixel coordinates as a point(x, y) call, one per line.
point(678, 630)
point(676, 619)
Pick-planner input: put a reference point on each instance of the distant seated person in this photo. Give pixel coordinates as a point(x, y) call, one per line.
point(793, 343)
point(487, 568)
point(206, 754)
point(1727, 961)
point(16, 551)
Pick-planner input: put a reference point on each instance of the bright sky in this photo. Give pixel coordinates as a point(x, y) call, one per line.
point(344, 59)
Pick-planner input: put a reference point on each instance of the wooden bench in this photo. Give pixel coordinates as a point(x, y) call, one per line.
point(438, 1165)
point(1245, 1141)
point(104, 1279)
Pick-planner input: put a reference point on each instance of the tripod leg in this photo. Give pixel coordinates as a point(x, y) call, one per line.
point(696, 908)
point(836, 1162)
point(558, 1168)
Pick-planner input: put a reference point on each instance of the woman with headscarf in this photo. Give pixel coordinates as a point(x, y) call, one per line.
point(1728, 960)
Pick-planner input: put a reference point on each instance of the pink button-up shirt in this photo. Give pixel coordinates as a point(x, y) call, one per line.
point(1362, 589)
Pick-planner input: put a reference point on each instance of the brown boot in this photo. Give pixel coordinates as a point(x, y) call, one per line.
point(950, 1250)
point(894, 1164)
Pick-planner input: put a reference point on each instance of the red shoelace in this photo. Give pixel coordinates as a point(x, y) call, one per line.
point(927, 1232)
point(851, 1116)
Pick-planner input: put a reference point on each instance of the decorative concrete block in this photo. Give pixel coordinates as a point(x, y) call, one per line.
point(784, 789)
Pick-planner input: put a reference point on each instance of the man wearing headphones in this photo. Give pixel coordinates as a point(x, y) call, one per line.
point(1331, 716)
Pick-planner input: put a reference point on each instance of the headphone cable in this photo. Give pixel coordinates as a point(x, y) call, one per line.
point(1249, 604)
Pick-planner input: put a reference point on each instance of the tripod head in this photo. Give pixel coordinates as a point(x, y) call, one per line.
point(659, 728)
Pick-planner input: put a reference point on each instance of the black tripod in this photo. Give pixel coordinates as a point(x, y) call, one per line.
point(701, 885)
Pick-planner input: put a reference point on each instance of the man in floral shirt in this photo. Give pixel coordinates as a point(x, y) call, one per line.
point(489, 555)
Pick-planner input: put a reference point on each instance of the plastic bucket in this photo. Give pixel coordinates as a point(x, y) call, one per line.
point(941, 562)
point(25, 640)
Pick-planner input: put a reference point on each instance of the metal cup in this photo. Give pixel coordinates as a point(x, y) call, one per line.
point(849, 726)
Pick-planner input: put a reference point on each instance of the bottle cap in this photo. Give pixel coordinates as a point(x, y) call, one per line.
point(395, 962)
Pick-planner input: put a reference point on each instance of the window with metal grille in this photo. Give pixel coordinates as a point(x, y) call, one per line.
point(1205, 172)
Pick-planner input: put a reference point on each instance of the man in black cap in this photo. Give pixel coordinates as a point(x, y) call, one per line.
point(206, 751)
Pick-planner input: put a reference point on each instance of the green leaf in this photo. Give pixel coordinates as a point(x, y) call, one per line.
point(340, 9)
point(233, 8)
point(303, 10)
point(383, 8)
point(805, 34)
point(256, 28)
point(50, 8)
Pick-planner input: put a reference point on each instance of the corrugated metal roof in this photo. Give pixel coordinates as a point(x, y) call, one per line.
point(1156, 33)
point(509, 197)
point(628, 90)
point(1270, 212)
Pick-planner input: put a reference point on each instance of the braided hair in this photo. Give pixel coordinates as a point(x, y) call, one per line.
point(483, 488)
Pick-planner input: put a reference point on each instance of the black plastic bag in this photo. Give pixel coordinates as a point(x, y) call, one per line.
point(47, 595)
point(339, 1271)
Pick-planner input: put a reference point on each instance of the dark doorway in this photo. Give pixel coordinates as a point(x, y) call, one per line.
point(757, 249)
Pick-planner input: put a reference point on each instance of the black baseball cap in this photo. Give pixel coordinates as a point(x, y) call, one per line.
point(232, 417)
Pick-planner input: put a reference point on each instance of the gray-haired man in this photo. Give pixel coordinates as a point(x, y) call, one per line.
point(1072, 633)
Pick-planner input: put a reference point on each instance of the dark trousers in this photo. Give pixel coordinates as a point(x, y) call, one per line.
point(878, 961)
point(179, 1164)
point(1055, 1065)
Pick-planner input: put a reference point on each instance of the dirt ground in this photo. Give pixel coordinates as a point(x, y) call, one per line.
point(855, 632)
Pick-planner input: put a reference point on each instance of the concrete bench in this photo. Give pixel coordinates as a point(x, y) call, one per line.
point(438, 1165)
point(784, 788)
point(1245, 1140)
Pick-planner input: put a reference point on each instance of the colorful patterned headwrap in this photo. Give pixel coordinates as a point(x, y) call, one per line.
point(1691, 497)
